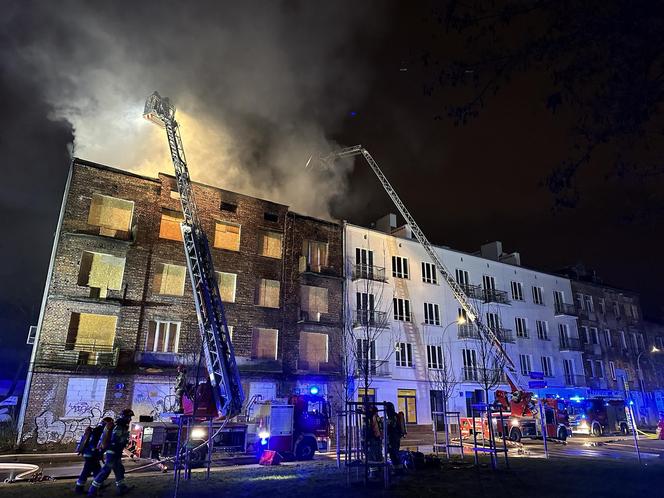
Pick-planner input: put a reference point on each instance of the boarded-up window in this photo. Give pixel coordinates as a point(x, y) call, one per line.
point(227, 236)
point(271, 244)
point(313, 299)
point(227, 283)
point(169, 228)
point(268, 293)
point(85, 395)
point(313, 350)
point(264, 343)
point(112, 216)
point(163, 337)
point(101, 271)
point(315, 254)
point(90, 332)
point(169, 279)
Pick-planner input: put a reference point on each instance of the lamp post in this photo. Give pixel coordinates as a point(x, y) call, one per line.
point(640, 374)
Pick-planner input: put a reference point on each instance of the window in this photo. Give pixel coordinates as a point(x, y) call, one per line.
point(163, 337)
point(488, 283)
point(558, 299)
point(607, 338)
point(434, 357)
point(264, 343)
point(89, 332)
point(524, 363)
point(174, 194)
point(169, 279)
point(537, 295)
point(635, 311)
point(112, 216)
point(623, 340)
point(270, 244)
point(588, 300)
point(313, 300)
point(429, 273)
point(616, 309)
point(274, 217)
point(227, 236)
point(101, 272)
point(599, 369)
point(369, 394)
point(517, 291)
point(366, 350)
point(628, 310)
point(612, 370)
point(404, 354)
point(493, 321)
point(563, 332)
point(364, 263)
point(589, 368)
point(169, 227)
point(228, 206)
point(594, 335)
point(546, 366)
point(313, 350)
point(601, 305)
point(88, 392)
point(365, 301)
point(407, 403)
point(521, 330)
point(579, 300)
point(315, 254)
point(268, 293)
point(401, 309)
point(227, 283)
point(568, 368)
point(462, 277)
point(583, 335)
point(542, 330)
point(469, 357)
point(431, 314)
point(399, 267)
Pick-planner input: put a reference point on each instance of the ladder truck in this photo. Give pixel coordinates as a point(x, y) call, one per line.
point(521, 398)
point(217, 346)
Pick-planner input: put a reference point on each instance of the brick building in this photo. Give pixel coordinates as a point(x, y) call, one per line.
point(118, 314)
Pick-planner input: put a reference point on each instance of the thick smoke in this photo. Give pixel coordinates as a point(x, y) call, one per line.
point(259, 87)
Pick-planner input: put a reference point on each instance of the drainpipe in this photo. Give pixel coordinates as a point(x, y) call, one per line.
point(47, 286)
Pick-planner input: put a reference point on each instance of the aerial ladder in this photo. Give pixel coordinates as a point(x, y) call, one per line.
point(486, 333)
point(217, 346)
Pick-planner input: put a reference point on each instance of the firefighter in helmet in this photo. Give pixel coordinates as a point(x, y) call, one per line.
point(180, 387)
point(112, 443)
point(87, 448)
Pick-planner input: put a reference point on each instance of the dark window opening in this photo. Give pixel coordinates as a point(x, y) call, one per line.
point(271, 217)
point(227, 206)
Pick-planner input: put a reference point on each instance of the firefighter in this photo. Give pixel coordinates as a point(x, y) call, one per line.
point(660, 426)
point(180, 388)
point(113, 442)
point(374, 439)
point(395, 431)
point(87, 448)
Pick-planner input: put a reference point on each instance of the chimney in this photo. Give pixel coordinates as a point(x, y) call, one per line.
point(492, 250)
point(513, 258)
point(387, 223)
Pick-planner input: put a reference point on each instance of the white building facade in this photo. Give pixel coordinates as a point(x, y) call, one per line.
point(406, 321)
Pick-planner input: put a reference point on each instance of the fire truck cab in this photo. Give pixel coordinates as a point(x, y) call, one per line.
point(523, 421)
point(598, 416)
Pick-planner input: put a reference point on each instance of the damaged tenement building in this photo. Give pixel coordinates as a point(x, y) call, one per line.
point(118, 314)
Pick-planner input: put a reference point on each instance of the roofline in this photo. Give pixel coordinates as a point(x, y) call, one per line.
point(313, 218)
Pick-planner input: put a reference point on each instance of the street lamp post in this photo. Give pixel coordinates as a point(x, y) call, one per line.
point(640, 374)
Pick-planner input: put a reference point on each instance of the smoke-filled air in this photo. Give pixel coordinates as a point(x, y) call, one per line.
point(258, 90)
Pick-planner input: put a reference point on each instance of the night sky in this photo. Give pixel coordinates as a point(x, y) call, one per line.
point(261, 87)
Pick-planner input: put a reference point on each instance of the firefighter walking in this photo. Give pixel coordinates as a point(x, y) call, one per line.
point(87, 448)
point(113, 441)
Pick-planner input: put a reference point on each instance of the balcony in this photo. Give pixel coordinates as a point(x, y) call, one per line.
point(369, 318)
point(376, 368)
point(368, 272)
point(504, 335)
point(318, 269)
point(468, 331)
point(74, 356)
point(570, 344)
point(495, 296)
point(564, 309)
point(478, 374)
point(161, 360)
point(572, 380)
point(472, 291)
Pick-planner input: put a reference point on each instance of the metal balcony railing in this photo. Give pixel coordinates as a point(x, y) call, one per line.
point(76, 355)
point(376, 368)
point(495, 296)
point(479, 374)
point(572, 380)
point(468, 331)
point(564, 309)
point(369, 272)
point(570, 344)
point(470, 374)
point(369, 318)
point(472, 291)
point(505, 335)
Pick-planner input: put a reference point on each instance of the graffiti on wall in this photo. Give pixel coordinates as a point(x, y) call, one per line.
point(153, 399)
point(50, 429)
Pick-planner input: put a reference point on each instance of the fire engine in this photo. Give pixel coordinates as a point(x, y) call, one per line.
point(296, 430)
point(598, 416)
point(523, 421)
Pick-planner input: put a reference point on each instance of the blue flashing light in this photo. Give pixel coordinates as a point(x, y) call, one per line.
point(263, 442)
point(353, 113)
point(576, 399)
point(583, 417)
point(631, 403)
point(313, 389)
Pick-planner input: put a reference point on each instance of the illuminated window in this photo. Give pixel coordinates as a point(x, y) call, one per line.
point(270, 244)
point(169, 227)
point(227, 283)
point(268, 293)
point(264, 343)
point(315, 255)
point(313, 299)
point(313, 351)
point(101, 272)
point(227, 236)
point(163, 337)
point(112, 216)
point(91, 332)
point(169, 279)
point(407, 403)
point(174, 194)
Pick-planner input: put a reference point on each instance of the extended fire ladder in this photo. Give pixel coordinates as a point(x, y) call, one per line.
point(472, 314)
point(217, 345)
